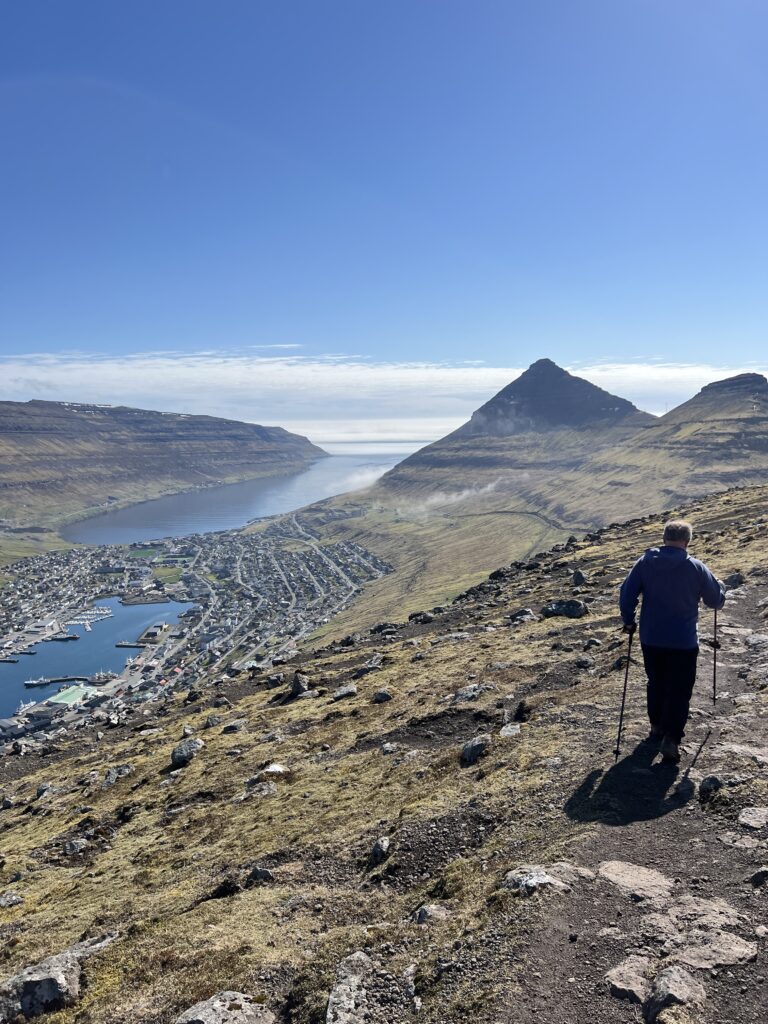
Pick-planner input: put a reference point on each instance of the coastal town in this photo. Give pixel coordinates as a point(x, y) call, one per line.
point(247, 599)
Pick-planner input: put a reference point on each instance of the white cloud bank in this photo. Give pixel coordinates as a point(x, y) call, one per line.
point(331, 399)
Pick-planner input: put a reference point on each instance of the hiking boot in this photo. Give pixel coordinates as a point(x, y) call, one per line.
point(669, 750)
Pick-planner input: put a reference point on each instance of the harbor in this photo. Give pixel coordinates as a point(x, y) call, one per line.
point(93, 661)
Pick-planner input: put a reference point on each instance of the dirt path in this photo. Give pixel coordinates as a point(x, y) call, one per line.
point(653, 816)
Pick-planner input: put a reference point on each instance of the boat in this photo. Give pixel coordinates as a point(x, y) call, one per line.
point(102, 677)
point(24, 706)
point(42, 681)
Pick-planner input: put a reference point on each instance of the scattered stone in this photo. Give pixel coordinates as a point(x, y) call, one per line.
point(467, 693)
point(529, 878)
point(754, 817)
point(736, 579)
point(760, 877)
point(236, 726)
point(629, 979)
point(635, 881)
point(475, 748)
point(299, 685)
point(382, 696)
point(348, 1000)
point(185, 752)
point(10, 899)
point(115, 772)
point(272, 771)
point(579, 578)
point(389, 748)
point(53, 984)
point(227, 1008)
point(192, 696)
point(428, 912)
point(348, 690)
point(592, 642)
point(212, 721)
point(523, 615)
point(571, 609)
point(674, 986)
point(74, 847)
point(380, 850)
point(509, 730)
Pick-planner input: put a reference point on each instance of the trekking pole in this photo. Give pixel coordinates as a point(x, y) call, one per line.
point(714, 664)
point(624, 697)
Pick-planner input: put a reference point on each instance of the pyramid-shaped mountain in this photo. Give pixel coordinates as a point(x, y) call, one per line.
point(547, 397)
point(548, 456)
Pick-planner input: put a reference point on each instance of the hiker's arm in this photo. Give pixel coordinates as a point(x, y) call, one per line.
point(629, 595)
point(712, 590)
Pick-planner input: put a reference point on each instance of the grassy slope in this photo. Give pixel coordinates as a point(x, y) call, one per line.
point(185, 836)
point(61, 462)
point(474, 501)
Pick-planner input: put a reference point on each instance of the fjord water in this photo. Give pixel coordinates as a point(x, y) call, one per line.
point(234, 505)
point(95, 650)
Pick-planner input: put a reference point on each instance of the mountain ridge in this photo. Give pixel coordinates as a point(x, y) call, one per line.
point(61, 460)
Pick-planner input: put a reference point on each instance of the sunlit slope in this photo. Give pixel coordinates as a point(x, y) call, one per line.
point(447, 514)
point(59, 460)
point(166, 860)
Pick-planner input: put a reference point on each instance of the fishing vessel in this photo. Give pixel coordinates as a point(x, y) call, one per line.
point(102, 677)
point(42, 681)
point(24, 706)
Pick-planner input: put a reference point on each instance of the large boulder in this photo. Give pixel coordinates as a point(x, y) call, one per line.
point(53, 984)
point(227, 1008)
point(185, 752)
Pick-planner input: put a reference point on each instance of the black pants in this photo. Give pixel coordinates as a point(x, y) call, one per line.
point(671, 675)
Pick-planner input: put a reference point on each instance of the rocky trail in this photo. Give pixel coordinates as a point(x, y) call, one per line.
point(422, 822)
point(677, 859)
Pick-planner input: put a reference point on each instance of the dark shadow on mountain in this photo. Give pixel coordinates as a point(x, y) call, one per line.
point(634, 789)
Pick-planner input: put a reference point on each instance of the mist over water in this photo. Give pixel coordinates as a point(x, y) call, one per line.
point(234, 505)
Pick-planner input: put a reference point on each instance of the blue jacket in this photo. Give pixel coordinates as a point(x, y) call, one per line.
point(672, 584)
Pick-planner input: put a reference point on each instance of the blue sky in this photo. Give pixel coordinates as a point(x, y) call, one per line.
point(378, 188)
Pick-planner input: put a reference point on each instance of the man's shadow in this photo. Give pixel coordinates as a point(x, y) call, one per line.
point(634, 789)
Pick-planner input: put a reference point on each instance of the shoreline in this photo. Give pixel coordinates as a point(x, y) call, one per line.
point(56, 542)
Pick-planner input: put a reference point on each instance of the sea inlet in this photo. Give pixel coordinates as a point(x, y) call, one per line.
point(233, 505)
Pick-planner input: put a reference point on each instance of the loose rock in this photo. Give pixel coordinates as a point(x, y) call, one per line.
point(629, 979)
point(475, 748)
point(185, 752)
point(227, 1008)
point(674, 986)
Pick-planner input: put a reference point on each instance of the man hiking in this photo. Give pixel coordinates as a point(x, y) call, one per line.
point(672, 584)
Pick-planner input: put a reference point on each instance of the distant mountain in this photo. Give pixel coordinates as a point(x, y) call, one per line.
point(549, 455)
point(546, 397)
point(545, 421)
point(60, 459)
